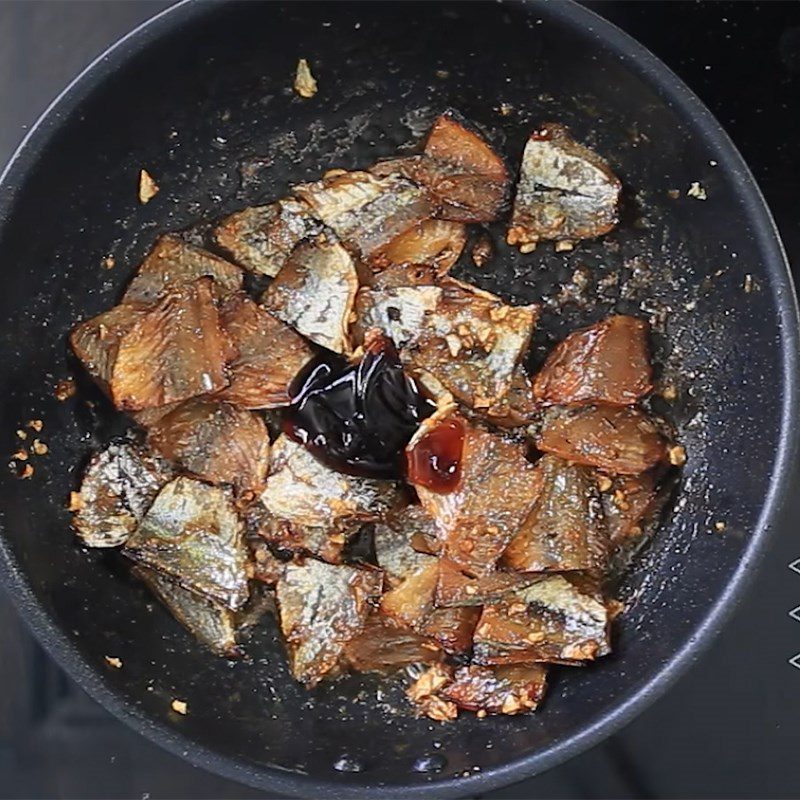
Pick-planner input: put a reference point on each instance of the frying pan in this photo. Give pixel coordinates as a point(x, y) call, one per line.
point(200, 96)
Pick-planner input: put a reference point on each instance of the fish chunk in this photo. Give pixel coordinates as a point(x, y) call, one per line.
point(432, 242)
point(393, 538)
point(365, 212)
point(411, 604)
point(551, 620)
point(384, 648)
point(511, 689)
point(314, 293)
point(96, 341)
point(565, 530)
point(496, 490)
point(468, 340)
point(192, 535)
point(262, 238)
point(466, 179)
point(306, 493)
point(608, 362)
point(519, 406)
point(216, 442)
point(617, 440)
point(175, 351)
point(454, 588)
point(565, 191)
point(270, 355)
point(173, 263)
point(322, 608)
point(117, 488)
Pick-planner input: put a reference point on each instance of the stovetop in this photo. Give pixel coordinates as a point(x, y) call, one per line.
point(729, 727)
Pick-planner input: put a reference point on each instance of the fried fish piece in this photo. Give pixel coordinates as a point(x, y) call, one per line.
point(175, 351)
point(519, 406)
point(173, 263)
point(455, 588)
point(550, 620)
point(617, 440)
point(393, 539)
point(565, 530)
point(464, 176)
point(496, 489)
point(314, 293)
point(262, 238)
point(217, 442)
point(511, 689)
point(384, 648)
point(466, 339)
point(192, 535)
point(431, 242)
point(565, 191)
point(411, 604)
point(608, 362)
point(117, 488)
point(366, 213)
point(270, 354)
point(322, 608)
point(306, 493)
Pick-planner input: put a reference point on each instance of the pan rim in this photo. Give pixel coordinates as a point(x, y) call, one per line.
point(656, 74)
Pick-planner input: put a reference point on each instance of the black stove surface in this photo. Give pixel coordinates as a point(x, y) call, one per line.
point(729, 728)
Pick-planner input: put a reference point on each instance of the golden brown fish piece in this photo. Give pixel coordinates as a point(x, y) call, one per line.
point(314, 293)
point(393, 540)
point(617, 440)
point(117, 488)
point(173, 263)
point(512, 689)
point(466, 179)
point(495, 492)
point(261, 238)
point(550, 620)
point(565, 191)
point(192, 535)
point(175, 351)
point(565, 530)
point(608, 362)
point(270, 354)
point(322, 608)
point(217, 442)
point(432, 242)
point(455, 588)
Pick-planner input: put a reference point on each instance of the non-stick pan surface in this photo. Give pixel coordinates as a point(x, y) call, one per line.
point(201, 98)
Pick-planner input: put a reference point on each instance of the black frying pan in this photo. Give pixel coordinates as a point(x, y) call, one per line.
point(199, 96)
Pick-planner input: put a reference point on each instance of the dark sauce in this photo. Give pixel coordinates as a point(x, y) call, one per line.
point(435, 460)
point(357, 418)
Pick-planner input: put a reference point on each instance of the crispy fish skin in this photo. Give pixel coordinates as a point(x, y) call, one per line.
point(495, 493)
point(366, 213)
point(618, 440)
point(466, 339)
point(454, 588)
point(306, 493)
point(519, 406)
point(565, 191)
point(270, 354)
point(175, 351)
point(262, 238)
point(466, 179)
point(565, 529)
point(551, 620)
point(314, 293)
point(117, 488)
point(608, 362)
point(384, 648)
point(323, 607)
point(96, 341)
point(217, 442)
point(393, 539)
point(511, 689)
point(193, 535)
point(432, 242)
point(173, 263)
